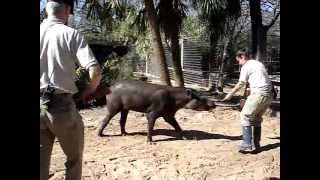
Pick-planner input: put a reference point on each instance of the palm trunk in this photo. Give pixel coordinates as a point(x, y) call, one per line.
point(158, 50)
point(223, 63)
point(259, 31)
point(212, 58)
point(231, 51)
point(262, 44)
point(175, 51)
point(256, 24)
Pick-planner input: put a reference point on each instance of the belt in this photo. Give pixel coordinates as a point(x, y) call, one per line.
point(56, 92)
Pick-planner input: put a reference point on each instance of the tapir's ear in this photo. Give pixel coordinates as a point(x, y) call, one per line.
point(189, 92)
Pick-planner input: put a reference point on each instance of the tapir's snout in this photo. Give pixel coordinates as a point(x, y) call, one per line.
point(202, 104)
point(211, 104)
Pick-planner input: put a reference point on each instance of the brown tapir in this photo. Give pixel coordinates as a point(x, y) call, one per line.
point(154, 100)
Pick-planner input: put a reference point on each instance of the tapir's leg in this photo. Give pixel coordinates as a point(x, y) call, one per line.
point(172, 121)
point(152, 117)
point(123, 120)
point(111, 111)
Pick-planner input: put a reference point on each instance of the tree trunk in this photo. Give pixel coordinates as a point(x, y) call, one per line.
point(158, 50)
point(229, 68)
point(259, 31)
point(212, 59)
point(262, 44)
point(222, 66)
point(176, 60)
point(256, 24)
point(212, 63)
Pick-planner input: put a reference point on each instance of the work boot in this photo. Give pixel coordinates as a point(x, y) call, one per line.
point(246, 145)
point(256, 138)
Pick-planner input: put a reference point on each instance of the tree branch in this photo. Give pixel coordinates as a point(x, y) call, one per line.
point(270, 2)
point(267, 6)
point(239, 31)
point(273, 21)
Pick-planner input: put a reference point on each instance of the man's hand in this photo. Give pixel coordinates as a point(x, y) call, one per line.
point(228, 97)
point(233, 91)
point(95, 77)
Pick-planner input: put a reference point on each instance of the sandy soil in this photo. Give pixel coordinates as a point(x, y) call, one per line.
point(208, 152)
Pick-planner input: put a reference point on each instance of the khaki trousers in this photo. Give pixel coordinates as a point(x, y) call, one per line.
point(253, 109)
point(62, 120)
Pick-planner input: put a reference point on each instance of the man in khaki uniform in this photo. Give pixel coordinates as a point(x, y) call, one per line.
point(61, 48)
point(254, 73)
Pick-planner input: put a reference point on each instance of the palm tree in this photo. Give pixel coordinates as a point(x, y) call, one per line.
point(258, 29)
point(220, 17)
point(156, 42)
point(107, 11)
point(171, 14)
point(103, 13)
point(42, 15)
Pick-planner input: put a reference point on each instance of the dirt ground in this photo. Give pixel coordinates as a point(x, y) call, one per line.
point(208, 152)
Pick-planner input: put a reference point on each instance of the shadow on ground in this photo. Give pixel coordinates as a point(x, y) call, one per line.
point(264, 148)
point(194, 135)
point(197, 135)
point(187, 135)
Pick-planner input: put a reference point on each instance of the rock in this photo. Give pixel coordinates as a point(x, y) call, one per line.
point(111, 159)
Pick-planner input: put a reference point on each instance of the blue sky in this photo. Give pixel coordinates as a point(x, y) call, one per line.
point(42, 4)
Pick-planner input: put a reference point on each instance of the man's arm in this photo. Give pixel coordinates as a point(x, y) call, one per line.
point(87, 60)
point(236, 88)
point(95, 77)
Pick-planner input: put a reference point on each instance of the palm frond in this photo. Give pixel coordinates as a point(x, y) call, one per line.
point(217, 14)
point(141, 21)
point(106, 11)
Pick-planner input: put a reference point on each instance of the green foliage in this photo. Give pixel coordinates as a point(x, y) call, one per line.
point(143, 47)
point(194, 28)
point(42, 15)
point(112, 70)
point(82, 78)
point(140, 21)
point(123, 31)
point(216, 14)
point(171, 14)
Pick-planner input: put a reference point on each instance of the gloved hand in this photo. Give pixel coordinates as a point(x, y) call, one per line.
point(86, 95)
point(228, 97)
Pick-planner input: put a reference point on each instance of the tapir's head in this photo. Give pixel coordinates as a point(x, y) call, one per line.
point(101, 91)
point(198, 103)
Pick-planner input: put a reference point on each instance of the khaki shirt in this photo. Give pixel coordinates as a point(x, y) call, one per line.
point(255, 73)
point(61, 48)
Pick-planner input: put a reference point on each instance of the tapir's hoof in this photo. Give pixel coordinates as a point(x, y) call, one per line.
point(100, 134)
point(124, 134)
point(151, 143)
point(184, 138)
point(181, 136)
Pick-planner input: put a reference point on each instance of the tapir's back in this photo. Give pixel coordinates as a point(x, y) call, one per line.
point(135, 87)
point(135, 95)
